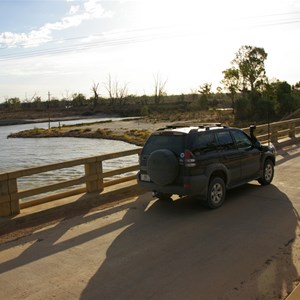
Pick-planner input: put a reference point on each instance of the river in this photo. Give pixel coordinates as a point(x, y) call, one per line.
point(19, 153)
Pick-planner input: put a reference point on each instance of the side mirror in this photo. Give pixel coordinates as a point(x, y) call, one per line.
point(257, 144)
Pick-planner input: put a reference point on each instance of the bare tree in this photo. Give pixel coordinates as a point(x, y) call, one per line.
point(67, 96)
point(35, 96)
point(96, 94)
point(159, 89)
point(31, 99)
point(117, 92)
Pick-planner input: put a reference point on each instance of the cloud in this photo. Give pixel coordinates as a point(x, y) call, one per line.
point(92, 9)
point(74, 9)
point(33, 38)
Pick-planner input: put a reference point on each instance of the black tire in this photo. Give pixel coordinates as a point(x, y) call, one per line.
point(268, 173)
point(162, 167)
point(216, 193)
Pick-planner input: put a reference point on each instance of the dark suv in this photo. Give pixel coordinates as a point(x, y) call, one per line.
point(203, 161)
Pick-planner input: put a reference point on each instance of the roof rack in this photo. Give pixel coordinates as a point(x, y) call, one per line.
point(177, 125)
point(205, 126)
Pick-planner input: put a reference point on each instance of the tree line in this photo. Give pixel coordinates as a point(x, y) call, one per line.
point(245, 88)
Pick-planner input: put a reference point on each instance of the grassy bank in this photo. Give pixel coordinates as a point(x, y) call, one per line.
point(132, 136)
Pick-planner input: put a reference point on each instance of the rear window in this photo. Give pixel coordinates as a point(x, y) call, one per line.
point(225, 140)
point(175, 143)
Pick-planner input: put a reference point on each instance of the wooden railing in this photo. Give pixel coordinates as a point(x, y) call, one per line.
point(277, 131)
point(93, 179)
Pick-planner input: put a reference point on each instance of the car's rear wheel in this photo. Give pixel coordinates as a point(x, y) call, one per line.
point(216, 193)
point(268, 173)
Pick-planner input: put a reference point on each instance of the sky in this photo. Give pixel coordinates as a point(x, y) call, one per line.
point(68, 46)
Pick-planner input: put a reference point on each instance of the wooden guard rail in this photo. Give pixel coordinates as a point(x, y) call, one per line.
point(93, 179)
point(94, 174)
point(276, 131)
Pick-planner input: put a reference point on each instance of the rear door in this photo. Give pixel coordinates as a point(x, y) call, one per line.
point(204, 148)
point(230, 156)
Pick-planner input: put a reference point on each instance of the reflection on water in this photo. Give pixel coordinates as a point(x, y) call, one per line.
point(18, 153)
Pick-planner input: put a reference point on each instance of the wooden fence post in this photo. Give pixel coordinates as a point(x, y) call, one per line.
point(292, 131)
point(274, 134)
point(94, 169)
point(9, 206)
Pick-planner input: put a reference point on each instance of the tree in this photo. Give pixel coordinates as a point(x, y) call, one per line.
point(117, 93)
point(205, 92)
point(96, 94)
point(78, 100)
point(159, 89)
point(296, 86)
point(37, 102)
point(232, 84)
point(247, 75)
point(283, 95)
point(250, 63)
point(13, 103)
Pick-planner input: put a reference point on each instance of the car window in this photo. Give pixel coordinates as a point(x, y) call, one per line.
point(241, 139)
point(225, 140)
point(175, 143)
point(203, 143)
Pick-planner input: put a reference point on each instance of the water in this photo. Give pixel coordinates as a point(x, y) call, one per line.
point(19, 153)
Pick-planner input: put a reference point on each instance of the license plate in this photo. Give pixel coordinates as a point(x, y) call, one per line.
point(145, 177)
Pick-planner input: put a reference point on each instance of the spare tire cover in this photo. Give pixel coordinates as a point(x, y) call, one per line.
point(162, 166)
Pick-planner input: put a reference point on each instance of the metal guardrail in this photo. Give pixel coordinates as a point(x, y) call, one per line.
point(94, 175)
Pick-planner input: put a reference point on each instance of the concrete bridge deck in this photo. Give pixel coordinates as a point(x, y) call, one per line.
point(135, 247)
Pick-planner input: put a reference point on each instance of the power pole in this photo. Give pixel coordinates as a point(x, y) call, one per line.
point(48, 110)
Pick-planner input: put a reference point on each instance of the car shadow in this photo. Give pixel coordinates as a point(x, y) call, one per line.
point(179, 250)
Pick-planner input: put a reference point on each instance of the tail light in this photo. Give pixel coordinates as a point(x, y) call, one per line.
point(189, 159)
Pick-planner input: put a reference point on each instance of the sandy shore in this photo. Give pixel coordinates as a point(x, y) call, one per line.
point(125, 125)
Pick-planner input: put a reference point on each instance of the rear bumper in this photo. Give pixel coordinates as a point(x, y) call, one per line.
point(192, 186)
